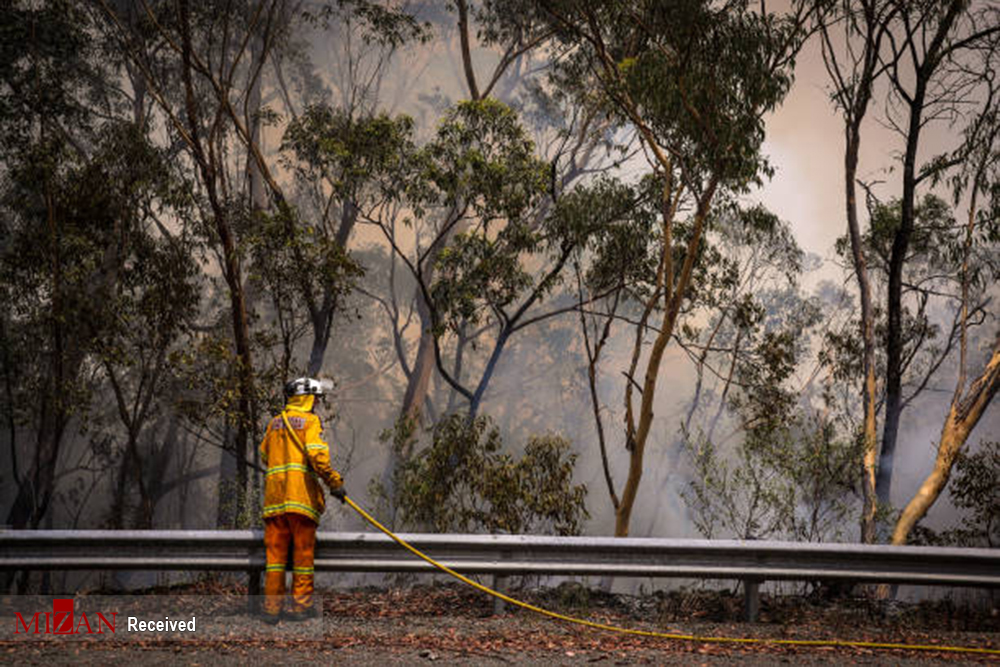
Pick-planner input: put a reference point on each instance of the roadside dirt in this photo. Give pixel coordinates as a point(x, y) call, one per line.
point(448, 624)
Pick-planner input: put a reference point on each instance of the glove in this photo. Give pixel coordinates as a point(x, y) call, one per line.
point(339, 493)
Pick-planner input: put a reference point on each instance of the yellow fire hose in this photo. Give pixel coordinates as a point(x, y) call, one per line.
point(662, 635)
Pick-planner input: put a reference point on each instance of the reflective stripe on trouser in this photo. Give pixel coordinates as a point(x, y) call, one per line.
point(280, 532)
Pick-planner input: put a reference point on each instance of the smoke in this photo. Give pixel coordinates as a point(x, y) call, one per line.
point(541, 384)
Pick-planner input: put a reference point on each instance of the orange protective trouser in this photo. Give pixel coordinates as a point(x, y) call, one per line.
point(280, 532)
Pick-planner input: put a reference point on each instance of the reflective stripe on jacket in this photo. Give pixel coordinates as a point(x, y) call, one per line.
point(294, 469)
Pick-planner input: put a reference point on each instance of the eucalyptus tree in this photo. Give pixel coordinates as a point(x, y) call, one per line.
point(66, 200)
point(218, 53)
point(210, 67)
point(935, 71)
point(514, 30)
point(566, 138)
point(694, 81)
point(345, 155)
point(362, 163)
point(855, 66)
point(743, 304)
point(481, 174)
point(978, 179)
point(924, 60)
point(121, 293)
point(791, 474)
point(465, 481)
point(749, 282)
point(151, 313)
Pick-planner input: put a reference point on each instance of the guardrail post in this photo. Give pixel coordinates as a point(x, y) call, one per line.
point(751, 598)
point(499, 584)
point(253, 591)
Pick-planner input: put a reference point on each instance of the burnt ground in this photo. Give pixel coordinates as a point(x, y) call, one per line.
point(452, 624)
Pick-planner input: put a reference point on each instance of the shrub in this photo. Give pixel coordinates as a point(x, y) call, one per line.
point(464, 482)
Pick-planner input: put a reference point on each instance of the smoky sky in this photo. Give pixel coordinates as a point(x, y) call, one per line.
point(804, 143)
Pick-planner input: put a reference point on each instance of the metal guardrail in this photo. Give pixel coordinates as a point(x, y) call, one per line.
point(753, 562)
point(506, 555)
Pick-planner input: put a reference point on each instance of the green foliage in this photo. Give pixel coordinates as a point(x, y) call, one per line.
point(791, 481)
point(770, 358)
point(932, 277)
point(463, 482)
point(207, 372)
point(379, 24)
point(975, 491)
point(625, 234)
point(483, 159)
point(46, 67)
point(482, 164)
point(288, 254)
point(81, 265)
point(718, 63)
point(475, 272)
point(158, 289)
point(353, 155)
point(505, 22)
point(791, 474)
point(700, 75)
point(937, 242)
point(937, 247)
point(206, 375)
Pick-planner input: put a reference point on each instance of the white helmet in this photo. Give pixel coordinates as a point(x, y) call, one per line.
point(307, 387)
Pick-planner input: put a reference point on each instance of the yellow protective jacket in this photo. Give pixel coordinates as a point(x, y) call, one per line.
point(292, 481)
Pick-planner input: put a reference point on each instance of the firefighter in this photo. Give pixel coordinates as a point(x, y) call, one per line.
point(297, 459)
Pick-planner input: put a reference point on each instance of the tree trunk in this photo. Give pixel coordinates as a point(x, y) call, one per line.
point(259, 200)
point(225, 512)
point(423, 366)
point(322, 317)
point(894, 311)
point(593, 356)
point(33, 497)
point(484, 381)
point(854, 99)
point(411, 412)
point(258, 189)
point(463, 35)
point(676, 293)
point(962, 418)
point(623, 514)
point(964, 413)
point(66, 358)
point(869, 431)
point(231, 268)
point(900, 247)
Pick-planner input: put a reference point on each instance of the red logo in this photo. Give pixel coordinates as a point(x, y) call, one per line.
point(60, 621)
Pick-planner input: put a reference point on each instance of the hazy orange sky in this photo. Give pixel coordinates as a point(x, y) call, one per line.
point(805, 142)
